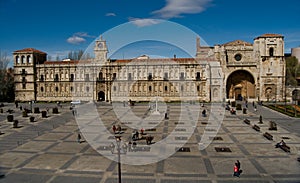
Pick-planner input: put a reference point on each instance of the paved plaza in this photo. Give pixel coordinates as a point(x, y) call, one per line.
point(47, 150)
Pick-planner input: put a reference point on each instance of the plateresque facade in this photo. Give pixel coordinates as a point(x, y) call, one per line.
point(231, 71)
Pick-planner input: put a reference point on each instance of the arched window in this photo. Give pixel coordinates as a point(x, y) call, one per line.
point(17, 59)
point(23, 59)
point(100, 76)
point(42, 89)
point(29, 59)
point(271, 52)
point(56, 89)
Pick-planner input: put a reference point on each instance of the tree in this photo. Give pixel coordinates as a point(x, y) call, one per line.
point(6, 79)
point(76, 55)
point(292, 70)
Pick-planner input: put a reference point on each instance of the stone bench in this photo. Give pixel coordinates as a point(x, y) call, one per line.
point(285, 148)
point(247, 121)
point(268, 136)
point(255, 127)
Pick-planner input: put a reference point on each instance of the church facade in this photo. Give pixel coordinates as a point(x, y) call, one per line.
point(232, 71)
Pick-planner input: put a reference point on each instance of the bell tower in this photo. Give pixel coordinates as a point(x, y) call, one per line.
point(100, 50)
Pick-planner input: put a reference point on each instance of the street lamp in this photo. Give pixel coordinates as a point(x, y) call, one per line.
point(120, 150)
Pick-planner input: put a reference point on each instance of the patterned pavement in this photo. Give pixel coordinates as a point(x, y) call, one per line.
point(47, 149)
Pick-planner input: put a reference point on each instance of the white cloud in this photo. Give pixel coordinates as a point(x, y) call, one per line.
point(79, 37)
point(175, 8)
point(110, 14)
point(75, 40)
point(142, 22)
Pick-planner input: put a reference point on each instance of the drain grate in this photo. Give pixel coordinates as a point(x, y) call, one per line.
point(179, 123)
point(222, 149)
point(183, 149)
point(151, 129)
point(217, 138)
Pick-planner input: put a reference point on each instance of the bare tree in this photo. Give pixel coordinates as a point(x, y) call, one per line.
point(6, 79)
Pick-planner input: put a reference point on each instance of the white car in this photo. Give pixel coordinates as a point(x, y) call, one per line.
point(76, 102)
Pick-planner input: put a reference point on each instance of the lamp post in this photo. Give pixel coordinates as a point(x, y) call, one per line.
point(120, 150)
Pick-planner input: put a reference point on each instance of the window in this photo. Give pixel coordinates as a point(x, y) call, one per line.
point(87, 89)
point(198, 88)
point(115, 88)
point(87, 77)
point(150, 88)
point(56, 77)
point(129, 76)
point(29, 59)
point(181, 76)
point(23, 72)
point(166, 88)
point(72, 77)
point(271, 52)
point(150, 76)
point(24, 85)
point(166, 76)
point(42, 78)
point(23, 59)
point(100, 76)
point(198, 76)
point(181, 88)
point(114, 76)
point(23, 80)
point(42, 89)
point(71, 89)
point(238, 57)
point(17, 59)
point(56, 89)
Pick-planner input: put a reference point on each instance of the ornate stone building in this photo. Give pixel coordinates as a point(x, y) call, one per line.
point(234, 70)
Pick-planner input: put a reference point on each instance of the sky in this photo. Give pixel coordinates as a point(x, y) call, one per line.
point(60, 26)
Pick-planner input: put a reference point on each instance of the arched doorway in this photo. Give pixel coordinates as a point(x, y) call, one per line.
point(240, 84)
point(101, 96)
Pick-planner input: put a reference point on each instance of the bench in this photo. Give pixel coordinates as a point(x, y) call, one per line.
point(255, 127)
point(285, 148)
point(268, 136)
point(247, 121)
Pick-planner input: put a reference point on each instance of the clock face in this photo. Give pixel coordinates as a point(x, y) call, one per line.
point(100, 45)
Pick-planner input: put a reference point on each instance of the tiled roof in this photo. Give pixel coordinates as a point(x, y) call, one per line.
point(30, 50)
point(237, 42)
point(179, 60)
point(270, 35)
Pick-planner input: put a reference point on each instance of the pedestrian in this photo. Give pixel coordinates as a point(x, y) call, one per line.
point(79, 138)
point(129, 146)
point(134, 146)
point(114, 128)
point(238, 163)
point(236, 170)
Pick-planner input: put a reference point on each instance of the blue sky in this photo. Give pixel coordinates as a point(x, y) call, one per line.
point(60, 26)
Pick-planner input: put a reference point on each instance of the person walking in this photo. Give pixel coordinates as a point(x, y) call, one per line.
point(79, 138)
point(236, 170)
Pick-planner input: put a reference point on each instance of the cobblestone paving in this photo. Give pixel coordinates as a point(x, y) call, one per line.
point(47, 150)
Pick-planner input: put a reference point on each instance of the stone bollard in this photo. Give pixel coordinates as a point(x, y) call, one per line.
point(15, 124)
point(44, 114)
point(10, 118)
point(31, 119)
point(55, 110)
